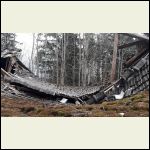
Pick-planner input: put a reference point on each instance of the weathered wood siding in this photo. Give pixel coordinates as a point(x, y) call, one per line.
point(139, 80)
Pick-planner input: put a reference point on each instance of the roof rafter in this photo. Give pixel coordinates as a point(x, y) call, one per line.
point(136, 35)
point(130, 44)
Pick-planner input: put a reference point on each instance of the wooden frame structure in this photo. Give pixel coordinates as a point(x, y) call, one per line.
point(142, 40)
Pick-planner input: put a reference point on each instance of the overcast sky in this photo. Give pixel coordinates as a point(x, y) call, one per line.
point(27, 40)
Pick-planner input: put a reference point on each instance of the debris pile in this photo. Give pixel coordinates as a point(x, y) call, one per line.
point(7, 89)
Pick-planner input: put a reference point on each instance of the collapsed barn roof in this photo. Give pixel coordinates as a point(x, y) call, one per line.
point(37, 85)
point(51, 89)
point(68, 92)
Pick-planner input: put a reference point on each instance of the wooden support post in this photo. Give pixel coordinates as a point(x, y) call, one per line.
point(113, 70)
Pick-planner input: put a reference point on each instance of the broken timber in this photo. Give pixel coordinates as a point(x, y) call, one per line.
point(136, 58)
point(6, 73)
point(130, 44)
point(139, 36)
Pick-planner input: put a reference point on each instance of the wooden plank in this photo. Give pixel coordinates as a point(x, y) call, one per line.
point(23, 66)
point(7, 63)
point(111, 86)
point(130, 44)
point(136, 35)
point(135, 58)
point(113, 70)
point(6, 73)
point(9, 66)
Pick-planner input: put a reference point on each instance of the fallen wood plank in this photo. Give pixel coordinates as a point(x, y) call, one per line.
point(6, 73)
point(135, 58)
point(22, 65)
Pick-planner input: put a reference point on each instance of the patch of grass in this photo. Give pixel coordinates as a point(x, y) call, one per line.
point(60, 113)
point(136, 105)
point(44, 113)
point(79, 107)
point(89, 108)
point(97, 114)
point(39, 110)
point(141, 106)
point(27, 109)
point(10, 112)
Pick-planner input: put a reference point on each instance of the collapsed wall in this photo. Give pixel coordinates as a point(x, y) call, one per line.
point(135, 77)
point(138, 76)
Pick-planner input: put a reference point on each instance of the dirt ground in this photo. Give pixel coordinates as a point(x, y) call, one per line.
point(134, 106)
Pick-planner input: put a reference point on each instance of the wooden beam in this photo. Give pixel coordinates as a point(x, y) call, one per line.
point(7, 63)
point(9, 66)
point(6, 73)
point(135, 58)
point(136, 35)
point(130, 44)
point(113, 70)
point(22, 65)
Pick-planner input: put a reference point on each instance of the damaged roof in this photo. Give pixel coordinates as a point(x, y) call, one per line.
point(7, 53)
point(13, 53)
point(52, 89)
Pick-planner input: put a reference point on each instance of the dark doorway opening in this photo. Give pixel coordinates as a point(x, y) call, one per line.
point(4, 63)
point(13, 69)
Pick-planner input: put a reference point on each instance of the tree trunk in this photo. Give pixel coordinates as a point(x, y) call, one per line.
point(86, 41)
point(79, 82)
point(121, 63)
point(74, 60)
point(113, 70)
point(63, 59)
point(57, 65)
point(45, 66)
point(33, 52)
point(37, 58)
